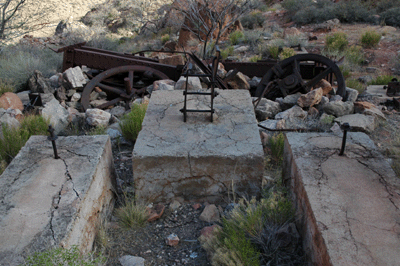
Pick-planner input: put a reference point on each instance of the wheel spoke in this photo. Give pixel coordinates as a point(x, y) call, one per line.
point(318, 78)
point(107, 88)
point(109, 103)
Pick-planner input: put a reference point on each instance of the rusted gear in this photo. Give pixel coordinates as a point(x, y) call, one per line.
point(118, 91)
point(299, 73)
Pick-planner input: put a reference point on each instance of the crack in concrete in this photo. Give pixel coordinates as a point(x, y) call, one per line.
point(190, 165)
point(351, 233)
point(55, 207)
point(77, 154)
point(70, 178)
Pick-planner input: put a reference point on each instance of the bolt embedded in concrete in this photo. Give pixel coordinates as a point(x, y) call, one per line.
point(53, 138)
point(345, 127)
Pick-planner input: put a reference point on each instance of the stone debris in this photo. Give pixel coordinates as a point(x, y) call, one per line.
point(128, 260)
point(175, 205)
point(325, 85)
point(351, 95)
point(266, 109)
point(310, 99)
point(37, 83)
point(210, 214)
point(290, 101)
point(172, 240)
point(97, 117)
point(57, 115)
point(74, 77)
point(238, 81)
point(359, 122)
point(172, 60)
point(155, 212)
point(209, 231)
point(164, 84)
point(11, 100)
point(194, 84)
point(296, 112)
point(338, 108)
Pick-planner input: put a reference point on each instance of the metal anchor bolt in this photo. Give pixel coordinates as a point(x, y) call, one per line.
point(53, 138)
point(345, 127)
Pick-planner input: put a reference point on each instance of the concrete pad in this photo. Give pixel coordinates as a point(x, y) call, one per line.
point(348, 206)
point(47, 202)
point(198, 159)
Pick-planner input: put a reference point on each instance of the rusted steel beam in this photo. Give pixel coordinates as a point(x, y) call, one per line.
point(250, 69)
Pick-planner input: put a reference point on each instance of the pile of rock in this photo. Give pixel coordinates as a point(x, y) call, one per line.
point(318, 109)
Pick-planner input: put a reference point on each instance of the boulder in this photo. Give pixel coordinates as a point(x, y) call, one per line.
point(114, 131)
point(335, 98)
point(221, 72)
point(368, 108)
point(325, 85)
point(273, 124)
point(210, 214)
point(7, 119)
point(338, 108)
point(266, 109)
point(194, 84)
point(11, 100)
point(57, 115)
point(174, 60)
point(164, 84)
point(359, 122)
point(118, 111)
point(351, 95)
point(37, 83)
point(238, 81)
point(310, 99)
point(97, 117)
point(74, 77)
point(56, 80)
point(129, 260)
point(290, 101)
point(292, 114)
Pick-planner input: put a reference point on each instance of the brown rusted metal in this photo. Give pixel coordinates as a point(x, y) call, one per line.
point(393, 88)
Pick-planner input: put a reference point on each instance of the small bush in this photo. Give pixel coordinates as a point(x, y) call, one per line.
point(131, 123)
point(336, 42)
point(391, 17)
point(98, 130)
point(60, 256)
point(370, 39)
point(253, 20)
point(295, 5)
point(355, 84)
point(236, 37)
point(15, 138)
point(286, 53)
point(354, 55)
point(5, 87)
point(3, 166)
point(276, 144)
point(253, 37)
point(274, 51)
point(381, 80)
point(227, 52)
point(255, 58)
point(346, 71)
point(165, 38)
point(132, 214)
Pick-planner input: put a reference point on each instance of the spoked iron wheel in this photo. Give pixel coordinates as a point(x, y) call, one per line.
point(299, 73)
point(121, 84)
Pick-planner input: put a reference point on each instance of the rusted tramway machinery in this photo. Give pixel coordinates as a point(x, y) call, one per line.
point(124, 76)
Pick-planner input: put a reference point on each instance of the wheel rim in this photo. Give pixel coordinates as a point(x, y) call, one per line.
point(126, 91)
point(287, 77)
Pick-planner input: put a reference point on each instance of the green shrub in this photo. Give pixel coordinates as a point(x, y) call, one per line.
point(286, 53)
point(19, 62)
point(132, 214)
point(253, 20)
point(352, 11)
point(255, 58)
point(98, 130)
point(227, 52)
point(60, 256)
point(354, 55)
point(131, 123)
point(276, 144)
point(15, 138)
point(252, 37)
point(3, 166)
point(165, 38)
point(391, 17)
point(274, 51)
point(295, 5)
point(381, 80)
point(5, 87)
point(236, 37)
point(355, 84)
point(370, 39)
point(336, 42)
point(346, 71)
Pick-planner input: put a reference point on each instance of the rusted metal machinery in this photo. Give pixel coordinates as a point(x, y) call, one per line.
point(124, 76)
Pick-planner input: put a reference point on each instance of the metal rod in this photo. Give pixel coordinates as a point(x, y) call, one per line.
point(53, 138)
point(345, 128)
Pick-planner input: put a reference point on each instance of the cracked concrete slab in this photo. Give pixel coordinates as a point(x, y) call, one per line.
point(348, 206)
point(47, 202)
point(198, 159)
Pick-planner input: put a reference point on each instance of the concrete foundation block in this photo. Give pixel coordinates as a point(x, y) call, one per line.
point(47, 202)
point(198, 159)
point(348, 207)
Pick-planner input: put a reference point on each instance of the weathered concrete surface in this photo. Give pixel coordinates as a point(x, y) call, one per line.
point(197, 159)
point(348, 206)
point(47, 202)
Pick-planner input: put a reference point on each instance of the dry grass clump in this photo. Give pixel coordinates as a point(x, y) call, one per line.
point(132, 214)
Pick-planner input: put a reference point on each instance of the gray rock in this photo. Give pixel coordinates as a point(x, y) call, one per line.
point(7, 119)
point(118, 111)
point(292, 114)
point(75, 97)
point(60, 94)
point(326, 119)
point(266, 109)
point(24, 97)
point(241, 49)
point(114, 131)
point(238, 81)
point(221, 72)
point(96, 117)
point(254, 82)
point(365, 79)
point(128, 260)
point(57, 115)
point(74, 77)
point(335, 98)
point(290, 101)
point(375, 112)
point(273, 124)
point(351, 95)
point(338, 108)
point(37, 83)
point(56, 80)
point(359, 122)
point(194, 84)
point(210, 214)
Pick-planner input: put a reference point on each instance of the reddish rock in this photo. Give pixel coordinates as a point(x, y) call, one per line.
point(311, 98)
point(156, 212)
point(11, 100)
point(210, 214)
point(209, 231)
point(361, 106)
point(172, 60)
point(172, 240)
point(325, 85)
point(196, 206)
